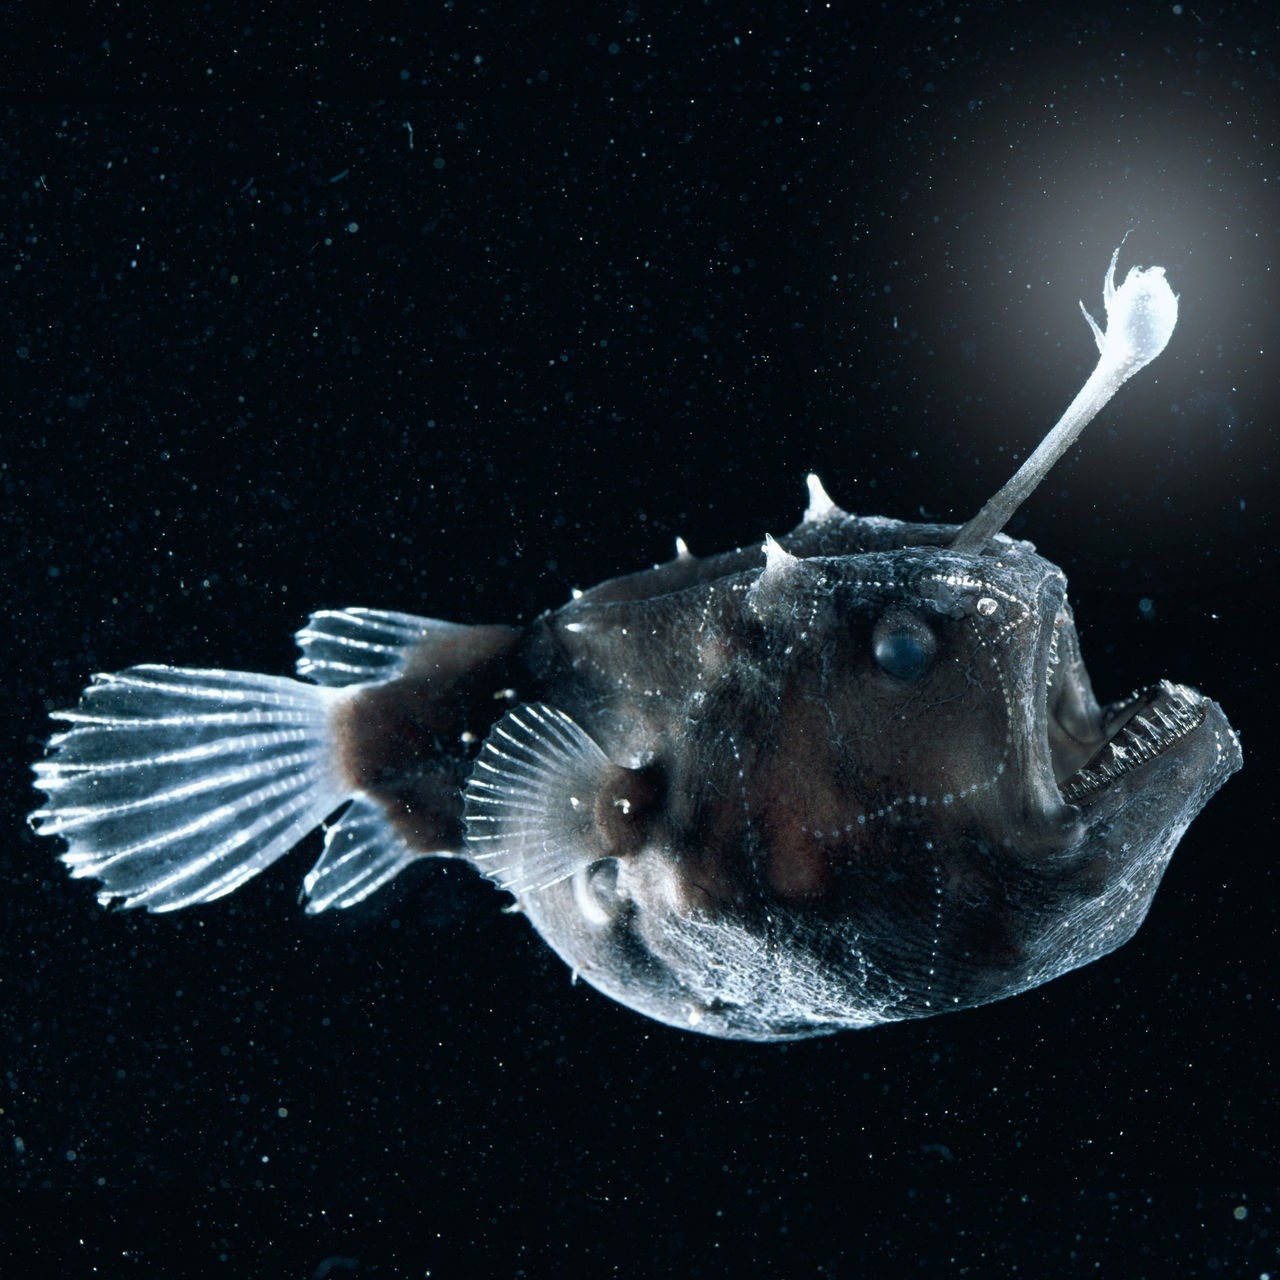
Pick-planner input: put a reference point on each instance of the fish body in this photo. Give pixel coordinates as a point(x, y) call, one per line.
point(847, 777)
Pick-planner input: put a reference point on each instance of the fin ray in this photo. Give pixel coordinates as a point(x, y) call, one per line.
point(175, 785)
point(362, 852)
point(529, 801)
point(359, 646)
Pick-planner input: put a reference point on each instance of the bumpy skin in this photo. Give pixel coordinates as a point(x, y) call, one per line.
point(839, 767)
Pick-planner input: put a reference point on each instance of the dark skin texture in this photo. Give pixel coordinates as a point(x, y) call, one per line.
point(404, 743)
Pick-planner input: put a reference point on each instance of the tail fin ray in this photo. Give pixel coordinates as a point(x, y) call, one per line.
point(173, 785)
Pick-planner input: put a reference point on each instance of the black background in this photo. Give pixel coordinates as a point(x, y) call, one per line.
point(452, 313)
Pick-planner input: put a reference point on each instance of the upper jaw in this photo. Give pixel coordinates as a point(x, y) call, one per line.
point(1072, 718)
point(1135, 731)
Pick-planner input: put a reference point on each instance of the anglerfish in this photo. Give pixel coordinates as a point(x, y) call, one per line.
point(853, 775)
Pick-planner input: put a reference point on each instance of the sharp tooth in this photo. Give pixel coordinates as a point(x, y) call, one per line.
point(1170, 713)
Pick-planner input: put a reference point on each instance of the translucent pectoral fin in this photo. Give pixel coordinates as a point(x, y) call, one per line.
point(531, 801)
point(173, 786)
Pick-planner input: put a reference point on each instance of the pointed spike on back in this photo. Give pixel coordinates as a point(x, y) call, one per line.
point(682, 549)
point(778, 585)
point(777, 559)
point(820, 505)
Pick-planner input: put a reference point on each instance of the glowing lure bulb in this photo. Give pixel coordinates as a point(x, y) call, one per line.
point(1141, 315)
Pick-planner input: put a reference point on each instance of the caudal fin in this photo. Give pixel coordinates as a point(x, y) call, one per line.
point(173, 786)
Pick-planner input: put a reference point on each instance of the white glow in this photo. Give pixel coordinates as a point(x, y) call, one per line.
point(1141, 315)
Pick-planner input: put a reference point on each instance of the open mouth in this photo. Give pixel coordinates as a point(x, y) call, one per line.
point(1134, 732)
point(1092, 747)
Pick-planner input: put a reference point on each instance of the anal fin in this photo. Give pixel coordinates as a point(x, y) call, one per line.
point(362, 852)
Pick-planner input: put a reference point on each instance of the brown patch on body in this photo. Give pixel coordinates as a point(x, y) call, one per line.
point(408, 743)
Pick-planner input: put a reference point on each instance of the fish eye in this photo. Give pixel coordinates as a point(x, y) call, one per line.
point(903, 646)
point(597, 893)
